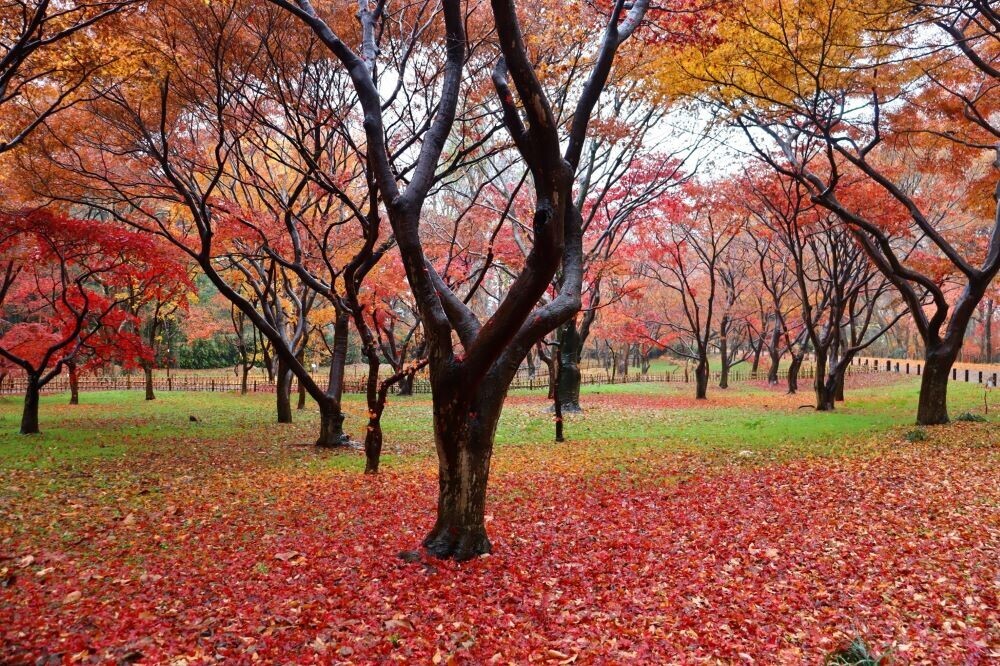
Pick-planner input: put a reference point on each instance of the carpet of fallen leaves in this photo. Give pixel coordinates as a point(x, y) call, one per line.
point(207, 557)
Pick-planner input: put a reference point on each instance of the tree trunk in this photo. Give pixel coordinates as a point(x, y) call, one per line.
point(793, 373)
point(282, 392)
point(823, 385)
point(570, 348)
point(775, 356)
point(406, 385)
point(463, 433)
point(147, 373)
point(331, 416)
point(74, 384)
point(840, 375)
point(29, 417)
point(701, 378)
point(302, 387)
point(244, 380)
point(331, 425)
point(932, 407)
point(988, 331)
point(724, 355)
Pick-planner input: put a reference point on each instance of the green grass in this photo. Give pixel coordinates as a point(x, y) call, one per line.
point(113, 424)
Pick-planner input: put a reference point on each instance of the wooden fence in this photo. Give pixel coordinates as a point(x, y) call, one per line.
point(356, 384)
point(977, 374)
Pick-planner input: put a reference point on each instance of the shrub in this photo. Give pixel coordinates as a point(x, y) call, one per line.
point(916, 435)
point(969, 416)
point(857, 653)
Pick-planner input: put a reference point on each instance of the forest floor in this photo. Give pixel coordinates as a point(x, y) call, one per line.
point(742, 529)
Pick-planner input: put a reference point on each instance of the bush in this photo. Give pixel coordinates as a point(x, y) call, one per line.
point(973, 418)
point(857, 653)
point(916, 435)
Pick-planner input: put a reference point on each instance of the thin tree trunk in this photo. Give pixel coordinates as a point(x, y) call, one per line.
point(701, 378)
point(147, 373)
point(29, 417)
point(793, 373)
point(302, 387)
point(282, 393)
point(988, 331)
point(74, 384)
point(331, 415)
point(775, 356)
point(244, 380)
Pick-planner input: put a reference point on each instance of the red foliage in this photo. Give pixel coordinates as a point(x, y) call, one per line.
point(688, 563)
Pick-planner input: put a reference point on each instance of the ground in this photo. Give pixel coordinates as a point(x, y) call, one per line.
point(738, 530)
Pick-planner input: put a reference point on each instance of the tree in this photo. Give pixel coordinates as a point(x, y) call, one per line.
point(836, 93)
point(684, 257)
point(49, 51)
point(64, 284)
point(468, 386)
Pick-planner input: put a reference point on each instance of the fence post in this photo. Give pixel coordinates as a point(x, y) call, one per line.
point(954, 373)
point(966, 375)
point(907, 367)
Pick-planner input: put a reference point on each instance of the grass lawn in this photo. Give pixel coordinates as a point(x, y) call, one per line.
point(665, 530)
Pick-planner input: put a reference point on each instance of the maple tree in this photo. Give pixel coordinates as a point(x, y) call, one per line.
point(63, 288)
point(836, 93)
point(685, 258)
point(469, 386)
point(49, 52)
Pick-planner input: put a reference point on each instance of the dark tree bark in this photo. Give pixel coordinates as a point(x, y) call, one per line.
point(331, 416)
point(569, 376)
point(74, 383)
point(282, 393)
point(774, 353)
point(32, 396)
point(988, 330)
point(793, 372)
point(701, 378)
point(463, 432)
point(932, 406)
point(724, 354)
point(147, 374)
point(302, 387)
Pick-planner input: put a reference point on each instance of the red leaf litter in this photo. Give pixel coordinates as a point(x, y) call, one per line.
point(691, 563)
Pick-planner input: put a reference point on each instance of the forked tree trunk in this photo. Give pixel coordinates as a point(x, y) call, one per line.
point(570, 348)
point(823, 385)
point(282, 391)
point(406, 385)
point(775, 356)
point(701, 378)
point(331, 425)
point(74, 384)
point(463, 433)
point(29, 417)
point(244, 380)
point(147, 373)
point(793, 373)
point(932, 407)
